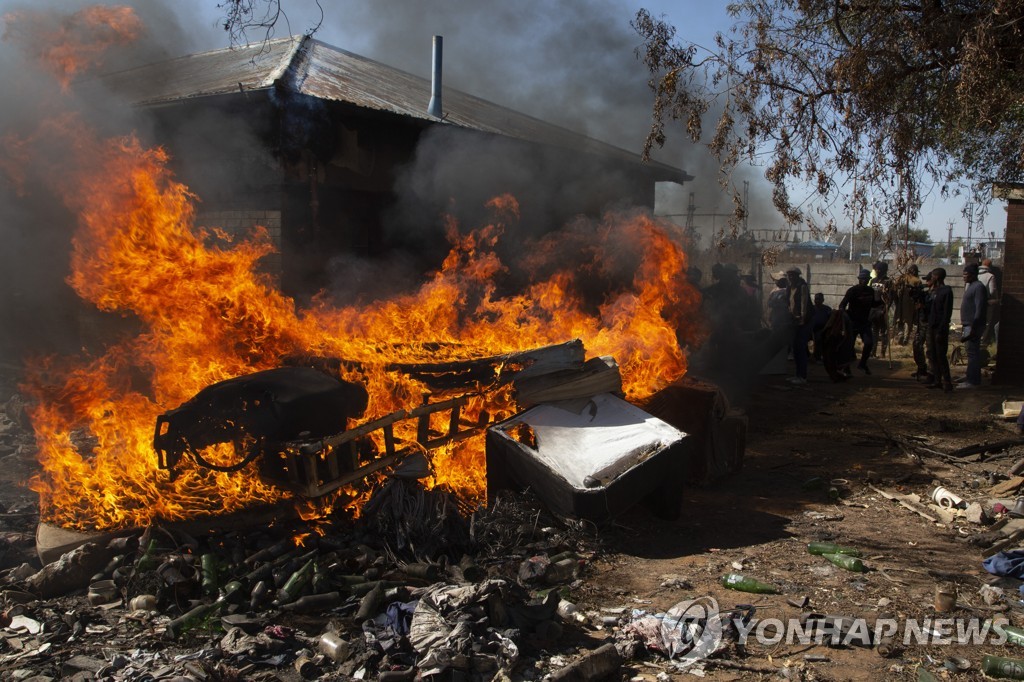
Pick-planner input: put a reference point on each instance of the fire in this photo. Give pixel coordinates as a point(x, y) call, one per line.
point(68, 45)
point(204, 313)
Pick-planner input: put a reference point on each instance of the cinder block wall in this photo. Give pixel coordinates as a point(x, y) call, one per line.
point(1010, 358)
point(833, 279)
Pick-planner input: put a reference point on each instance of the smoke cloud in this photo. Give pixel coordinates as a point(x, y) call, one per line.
point(571, 63)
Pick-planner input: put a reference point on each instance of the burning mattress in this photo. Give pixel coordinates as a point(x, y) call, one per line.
point(592, 459)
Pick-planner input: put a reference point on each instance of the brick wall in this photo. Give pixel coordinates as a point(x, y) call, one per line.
point(1010, 358)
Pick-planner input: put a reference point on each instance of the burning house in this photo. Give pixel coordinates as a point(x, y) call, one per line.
point(301, 158)
point(538, 348)
point(345, 159)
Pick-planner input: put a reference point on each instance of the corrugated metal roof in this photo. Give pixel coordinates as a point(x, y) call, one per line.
point(219, 72)
point(815, 244)
point(311, 67)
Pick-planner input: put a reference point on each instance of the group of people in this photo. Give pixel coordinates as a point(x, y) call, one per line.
point(835, 332)
point(799, 322)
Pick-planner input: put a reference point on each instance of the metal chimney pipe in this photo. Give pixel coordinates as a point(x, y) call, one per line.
point(434, 108)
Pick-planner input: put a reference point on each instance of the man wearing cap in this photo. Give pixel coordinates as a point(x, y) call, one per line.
point(800, 313)
point(940, 311)
point(972, 319)
point(859, 301)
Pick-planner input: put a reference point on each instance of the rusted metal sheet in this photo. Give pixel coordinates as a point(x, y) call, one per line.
point(309, 67)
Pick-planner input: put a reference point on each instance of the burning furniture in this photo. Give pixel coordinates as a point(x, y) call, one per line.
point(294, 419)
point(257, 412)
point(591, 458)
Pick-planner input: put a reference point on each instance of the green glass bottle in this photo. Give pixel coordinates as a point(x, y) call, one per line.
point(147, 562)
point(201, 613)
point(850, 563)
point(1014, 635)
point(1006, 668)
point(735, 581)
point(296, 583)
point(820, 548)
point(208, 565)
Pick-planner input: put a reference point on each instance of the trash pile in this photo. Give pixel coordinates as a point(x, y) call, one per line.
point(396, 594)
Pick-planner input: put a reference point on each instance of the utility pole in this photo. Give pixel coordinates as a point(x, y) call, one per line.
point(853, 218)
point(949, 241)
point(970, 226)
point(746, 204)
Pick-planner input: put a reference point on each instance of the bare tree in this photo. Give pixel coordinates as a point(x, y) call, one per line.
point(257, 19)
point(873, 103)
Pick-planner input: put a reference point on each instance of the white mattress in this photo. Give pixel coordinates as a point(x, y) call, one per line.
point(599, 442)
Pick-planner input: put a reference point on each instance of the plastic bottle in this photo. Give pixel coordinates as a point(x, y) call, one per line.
point(735, 581)
point(1006, 668)
point(850, 563)
point(820, 548)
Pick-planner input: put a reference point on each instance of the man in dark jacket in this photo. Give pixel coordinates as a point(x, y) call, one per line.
point(859, 301)
point(939, 314)
point(820, 315)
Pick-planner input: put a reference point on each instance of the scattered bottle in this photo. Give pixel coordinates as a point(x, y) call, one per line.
point(201, 613)
point(147, 562)
point(209, 568)
point(1006, 668)
point(289, 592)
point(1014, 635)
point(314, 602)
point(820, 548)
point(735, 581)
point(850, 563)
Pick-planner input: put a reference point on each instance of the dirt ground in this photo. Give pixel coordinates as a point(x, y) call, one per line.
point(815, 456)
point(761, 520)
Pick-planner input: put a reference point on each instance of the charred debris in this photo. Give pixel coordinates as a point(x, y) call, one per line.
point(419, 586)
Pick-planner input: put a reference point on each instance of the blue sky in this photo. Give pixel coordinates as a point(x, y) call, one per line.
point(571, 62)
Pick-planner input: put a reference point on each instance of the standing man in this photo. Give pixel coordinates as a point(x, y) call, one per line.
point(988, 278)
point(883, 287)
point(940, 312)
point(820, 315)
point(800, 313)
point(859, 301)
point(921, 296)
point(972, 317)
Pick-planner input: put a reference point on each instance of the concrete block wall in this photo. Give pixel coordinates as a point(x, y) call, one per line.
point(833, 279)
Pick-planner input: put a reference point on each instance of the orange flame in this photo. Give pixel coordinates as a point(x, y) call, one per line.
point(68, 45)
point(205, 314)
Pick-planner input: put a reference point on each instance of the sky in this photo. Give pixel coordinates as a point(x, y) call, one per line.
point(571, 62)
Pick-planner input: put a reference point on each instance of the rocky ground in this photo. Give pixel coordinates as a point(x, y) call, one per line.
point(820, 460)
